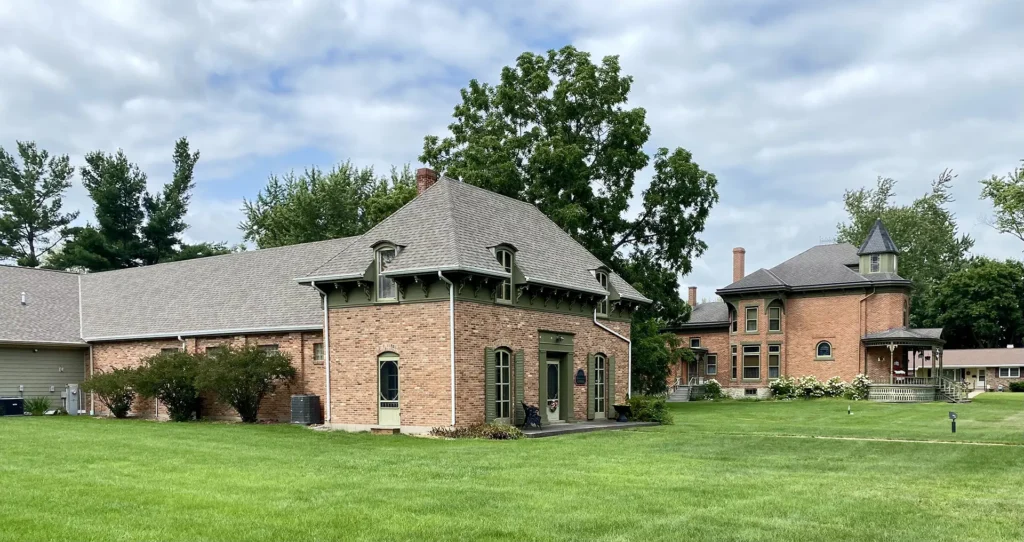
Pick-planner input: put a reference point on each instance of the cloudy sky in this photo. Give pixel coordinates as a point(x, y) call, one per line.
point(788, 103)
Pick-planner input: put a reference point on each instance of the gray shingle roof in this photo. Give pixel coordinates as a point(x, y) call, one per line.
point(712, 313)
point(820, 266)
point(50, 312)
point(453, 226)
point(252, 290)
point(878, 241)
point(905, 333)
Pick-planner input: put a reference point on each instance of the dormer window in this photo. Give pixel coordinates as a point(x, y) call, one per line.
point(505, 257)
point(386, 289)
point(602, 279)
point(876, 263)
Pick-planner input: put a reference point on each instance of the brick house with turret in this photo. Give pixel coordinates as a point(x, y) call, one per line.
point(833, 310)
point(455, 310)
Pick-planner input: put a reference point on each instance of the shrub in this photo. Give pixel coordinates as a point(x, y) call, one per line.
point(37, 406)
point(835, 387)
point(810, 387)
point(1017, 386)
point(784, 387)
point(170, 377)
point(242, 377)
point(649, 408)
point(712, 390)
point(858, 388)
point(114, 389)
point(493, 431)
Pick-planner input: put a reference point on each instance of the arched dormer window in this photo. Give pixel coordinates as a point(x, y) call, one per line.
point(505, 258)
point(386, 289)
point(823, 350)
point(602, 279)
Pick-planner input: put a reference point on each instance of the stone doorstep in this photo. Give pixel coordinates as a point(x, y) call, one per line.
point(385, 430)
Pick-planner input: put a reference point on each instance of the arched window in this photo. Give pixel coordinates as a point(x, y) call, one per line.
point(502, 384)
point(504, 294)
point(388, 365)
point(602, 279)
point(823, 350)
point(600, 362)
point(385, 285)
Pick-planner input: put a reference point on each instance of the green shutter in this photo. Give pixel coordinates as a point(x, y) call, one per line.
point(489, 412)
point(542, 385)
point(519, 393)
point(610, 379)
point(568, 403)
point(590, 386)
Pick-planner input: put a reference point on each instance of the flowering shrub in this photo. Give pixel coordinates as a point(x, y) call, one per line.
point(783, 388)
point(858, 389)
point(835, 387)
point(810, 386)
point(712, 390)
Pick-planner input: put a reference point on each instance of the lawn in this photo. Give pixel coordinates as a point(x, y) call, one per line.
point(724, 471)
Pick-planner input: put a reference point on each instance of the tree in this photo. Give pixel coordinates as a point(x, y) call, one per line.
point(1007, 196)
point(654, 353)
point(31, 198)
point(171, 378)
point(165, 212)
point(243, 377)
point(556, 132)
point(925, 231)
point(201, 250)
point(982, 306)
point(318, 205)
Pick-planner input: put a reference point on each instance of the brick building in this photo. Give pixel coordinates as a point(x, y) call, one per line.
point(833, 310)
point(455, 310)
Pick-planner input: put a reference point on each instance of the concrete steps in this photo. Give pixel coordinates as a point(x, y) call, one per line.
point(680, 395)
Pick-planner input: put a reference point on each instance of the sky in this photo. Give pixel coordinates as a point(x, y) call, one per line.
point(788, 103)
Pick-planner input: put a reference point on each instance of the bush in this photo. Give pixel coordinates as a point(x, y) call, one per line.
point(1017, 386)
point(810, 387)
point(649, 408)
point(37, 406)
point(493, 431)
point(835, 387)
point(114, 389)
point(858, 389)
point(170, 377)
point(784, 387)
point(712, 390)
point(242, 377)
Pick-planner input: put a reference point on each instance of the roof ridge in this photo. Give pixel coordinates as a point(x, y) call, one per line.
point(776, 277)
point(453, 218)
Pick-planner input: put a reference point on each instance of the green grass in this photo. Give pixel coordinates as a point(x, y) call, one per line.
point(725, 471)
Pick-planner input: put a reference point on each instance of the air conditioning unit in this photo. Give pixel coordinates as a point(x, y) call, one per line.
point(12, 406)
point(306, 410)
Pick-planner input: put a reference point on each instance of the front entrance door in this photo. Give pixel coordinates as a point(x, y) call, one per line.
point(980, 382)
point(554, 406)
point(388, 412)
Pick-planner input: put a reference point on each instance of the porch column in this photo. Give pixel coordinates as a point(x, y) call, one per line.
point(892, 357)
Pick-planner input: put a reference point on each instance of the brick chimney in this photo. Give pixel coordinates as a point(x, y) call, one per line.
point(739, 262)
point(425, 178)
point(693, 296)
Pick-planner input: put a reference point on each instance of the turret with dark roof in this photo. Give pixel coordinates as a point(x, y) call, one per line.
point(878, 241)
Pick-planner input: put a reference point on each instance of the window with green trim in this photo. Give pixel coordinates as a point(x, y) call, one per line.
point(599, 382)
point(752, 362)
point(774, 360)
point(504, 294)
point(774, 318)
point(502, 384)
point(751, 320)
point(386, 288)
point(602, 279)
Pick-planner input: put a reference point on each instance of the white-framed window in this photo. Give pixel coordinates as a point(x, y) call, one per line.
point(751, 320)
point(502, 384)
point(318, 352)
point(386, 288)
point(1009, 372)
point(712, 367)
point(504, 294)
point(823, 350)
point(694, 342)
point(269, 347)
point(774, 360)
point(734, 321)
point(602, 279)
point(876, 263)
point(774, 318)
point(751, 362)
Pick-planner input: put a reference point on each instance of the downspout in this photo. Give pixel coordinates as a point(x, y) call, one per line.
point(327, 354)
point(629, 356)
point(92, 396)
point(451, 334)
point(184, 348)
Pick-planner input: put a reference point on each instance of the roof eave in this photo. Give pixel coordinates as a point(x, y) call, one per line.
point(22, 342)
point(206, 333)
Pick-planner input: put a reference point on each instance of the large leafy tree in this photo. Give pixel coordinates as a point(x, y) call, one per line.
point(317, 205)
point(931, 247)
point(982, 305)
point(1007, 196)
point(556, 132)
point(32, 221)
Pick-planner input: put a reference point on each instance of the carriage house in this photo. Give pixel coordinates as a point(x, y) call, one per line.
point(457, 309)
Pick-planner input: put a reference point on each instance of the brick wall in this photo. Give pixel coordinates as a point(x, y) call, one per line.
point(836, 319)
point(277, 406)
point(717, 343)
